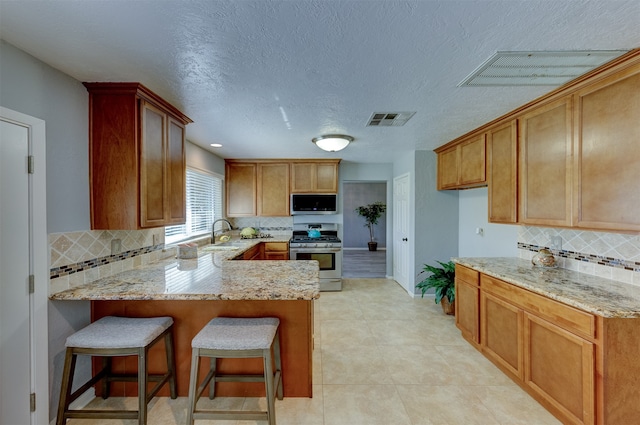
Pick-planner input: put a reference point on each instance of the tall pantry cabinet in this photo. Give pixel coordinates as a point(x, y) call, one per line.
point(136, 158)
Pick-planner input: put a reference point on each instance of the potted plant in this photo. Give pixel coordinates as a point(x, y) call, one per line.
point(371, 214)
point(442, 280)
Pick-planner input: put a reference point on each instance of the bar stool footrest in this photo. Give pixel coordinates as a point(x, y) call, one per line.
point(231, 414)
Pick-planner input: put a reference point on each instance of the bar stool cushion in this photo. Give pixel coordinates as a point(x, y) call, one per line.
point(229, 333)
point(119, 332)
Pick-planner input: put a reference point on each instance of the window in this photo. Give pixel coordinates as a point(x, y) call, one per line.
point(204, 205)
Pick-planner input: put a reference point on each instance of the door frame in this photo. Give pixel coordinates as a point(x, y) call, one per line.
point(404, 281)
point(39, 261)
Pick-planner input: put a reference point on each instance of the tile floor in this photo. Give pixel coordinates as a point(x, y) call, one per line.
point(383, 358)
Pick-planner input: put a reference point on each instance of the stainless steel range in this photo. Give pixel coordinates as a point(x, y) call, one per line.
point(319, 242)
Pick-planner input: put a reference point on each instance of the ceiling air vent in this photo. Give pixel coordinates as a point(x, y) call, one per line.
point(542, 68)
point(389, 119)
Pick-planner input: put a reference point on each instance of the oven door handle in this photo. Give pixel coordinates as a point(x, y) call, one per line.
point(314, 250)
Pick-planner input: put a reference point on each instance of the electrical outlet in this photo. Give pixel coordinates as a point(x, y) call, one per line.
point(155, 239)
point(116, 246)
point(555, 242)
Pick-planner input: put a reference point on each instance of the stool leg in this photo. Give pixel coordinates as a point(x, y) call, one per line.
point(106, 366)
point(212, 370)
point(268, 381)
point(193, 384)
point(142, 386)
point(67, 381)
point(278, 359)
point(171, 364)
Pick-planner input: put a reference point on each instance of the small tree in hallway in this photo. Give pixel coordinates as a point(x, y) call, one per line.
point(371, 214)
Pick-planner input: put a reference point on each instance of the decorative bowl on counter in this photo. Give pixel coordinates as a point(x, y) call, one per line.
point(544, 258)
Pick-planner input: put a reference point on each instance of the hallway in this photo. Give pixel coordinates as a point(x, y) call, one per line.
point(359, 263)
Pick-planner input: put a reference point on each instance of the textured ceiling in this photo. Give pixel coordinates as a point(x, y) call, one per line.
point(264, 77)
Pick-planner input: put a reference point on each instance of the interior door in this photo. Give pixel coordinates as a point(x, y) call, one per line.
point(23, 253)
point(14, 269)
point(401, 215)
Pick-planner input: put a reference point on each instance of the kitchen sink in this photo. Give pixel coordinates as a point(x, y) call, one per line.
point(220, 247)
point(225, 246)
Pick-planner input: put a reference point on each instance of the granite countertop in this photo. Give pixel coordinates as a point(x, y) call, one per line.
point(600, 296)
point(213, 275)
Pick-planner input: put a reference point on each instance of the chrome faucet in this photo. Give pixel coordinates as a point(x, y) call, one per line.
point(213, 228)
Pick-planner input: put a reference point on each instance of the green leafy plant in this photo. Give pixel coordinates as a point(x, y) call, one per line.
point(442, 279)
point(371, 214)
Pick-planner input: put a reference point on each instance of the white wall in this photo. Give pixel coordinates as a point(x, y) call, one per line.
point(33, 88)
point(497, 240)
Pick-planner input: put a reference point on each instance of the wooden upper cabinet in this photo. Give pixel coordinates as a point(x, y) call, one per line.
point(545, 142)
point(317, 176)
point(136, 158)
point(607, 155)
point(448, 169)
point(241, 185)
point(464, 165)
point(176, 177)
point(502, 173)
point(273, 189)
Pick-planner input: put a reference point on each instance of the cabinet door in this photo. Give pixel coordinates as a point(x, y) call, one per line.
point(502, 147)
point(240, 182)
point(467, 313)
point(326, 178)
point(176, 177)
point(559, 367)
point(501, 330)
point(448, 169)
point(545, 164)
point(276, 250)
point(607, 159)
point(302, 177)
point(314, 177)
point(273, 190)
point(472, 169)
point(153, 194)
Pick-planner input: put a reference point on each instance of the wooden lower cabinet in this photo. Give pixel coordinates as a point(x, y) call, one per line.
point(581, 367)
point(559, 367)
point(502, 336)
point(467, 303)
point(276, 250)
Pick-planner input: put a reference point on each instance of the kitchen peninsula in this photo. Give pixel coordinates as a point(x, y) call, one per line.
point(193, 291)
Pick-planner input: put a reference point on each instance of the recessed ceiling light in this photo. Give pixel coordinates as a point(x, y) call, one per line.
point(216, 145)
point(537, 68)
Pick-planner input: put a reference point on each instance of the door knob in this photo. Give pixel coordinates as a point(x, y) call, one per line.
point(405, 239)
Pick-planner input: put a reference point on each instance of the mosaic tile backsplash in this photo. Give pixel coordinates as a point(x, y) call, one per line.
point(609, 255)
point(77, 258)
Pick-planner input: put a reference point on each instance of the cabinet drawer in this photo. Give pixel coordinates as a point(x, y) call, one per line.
point(276, 246)
point(569, 318)
point(467, 275)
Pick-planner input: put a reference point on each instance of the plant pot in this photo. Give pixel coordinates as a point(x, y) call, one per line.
point(373, 246)
point(447, 307)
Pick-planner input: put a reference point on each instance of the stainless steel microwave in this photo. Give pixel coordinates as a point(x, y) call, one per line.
point(314, 203)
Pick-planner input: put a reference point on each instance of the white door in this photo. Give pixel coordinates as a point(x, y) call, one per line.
point(23, 370)
point(401, 232)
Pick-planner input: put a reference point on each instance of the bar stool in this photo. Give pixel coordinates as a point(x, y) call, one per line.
point(226, 337)
point(111, 337)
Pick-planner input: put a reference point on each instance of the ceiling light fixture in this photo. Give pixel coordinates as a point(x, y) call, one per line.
point(332, 142)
